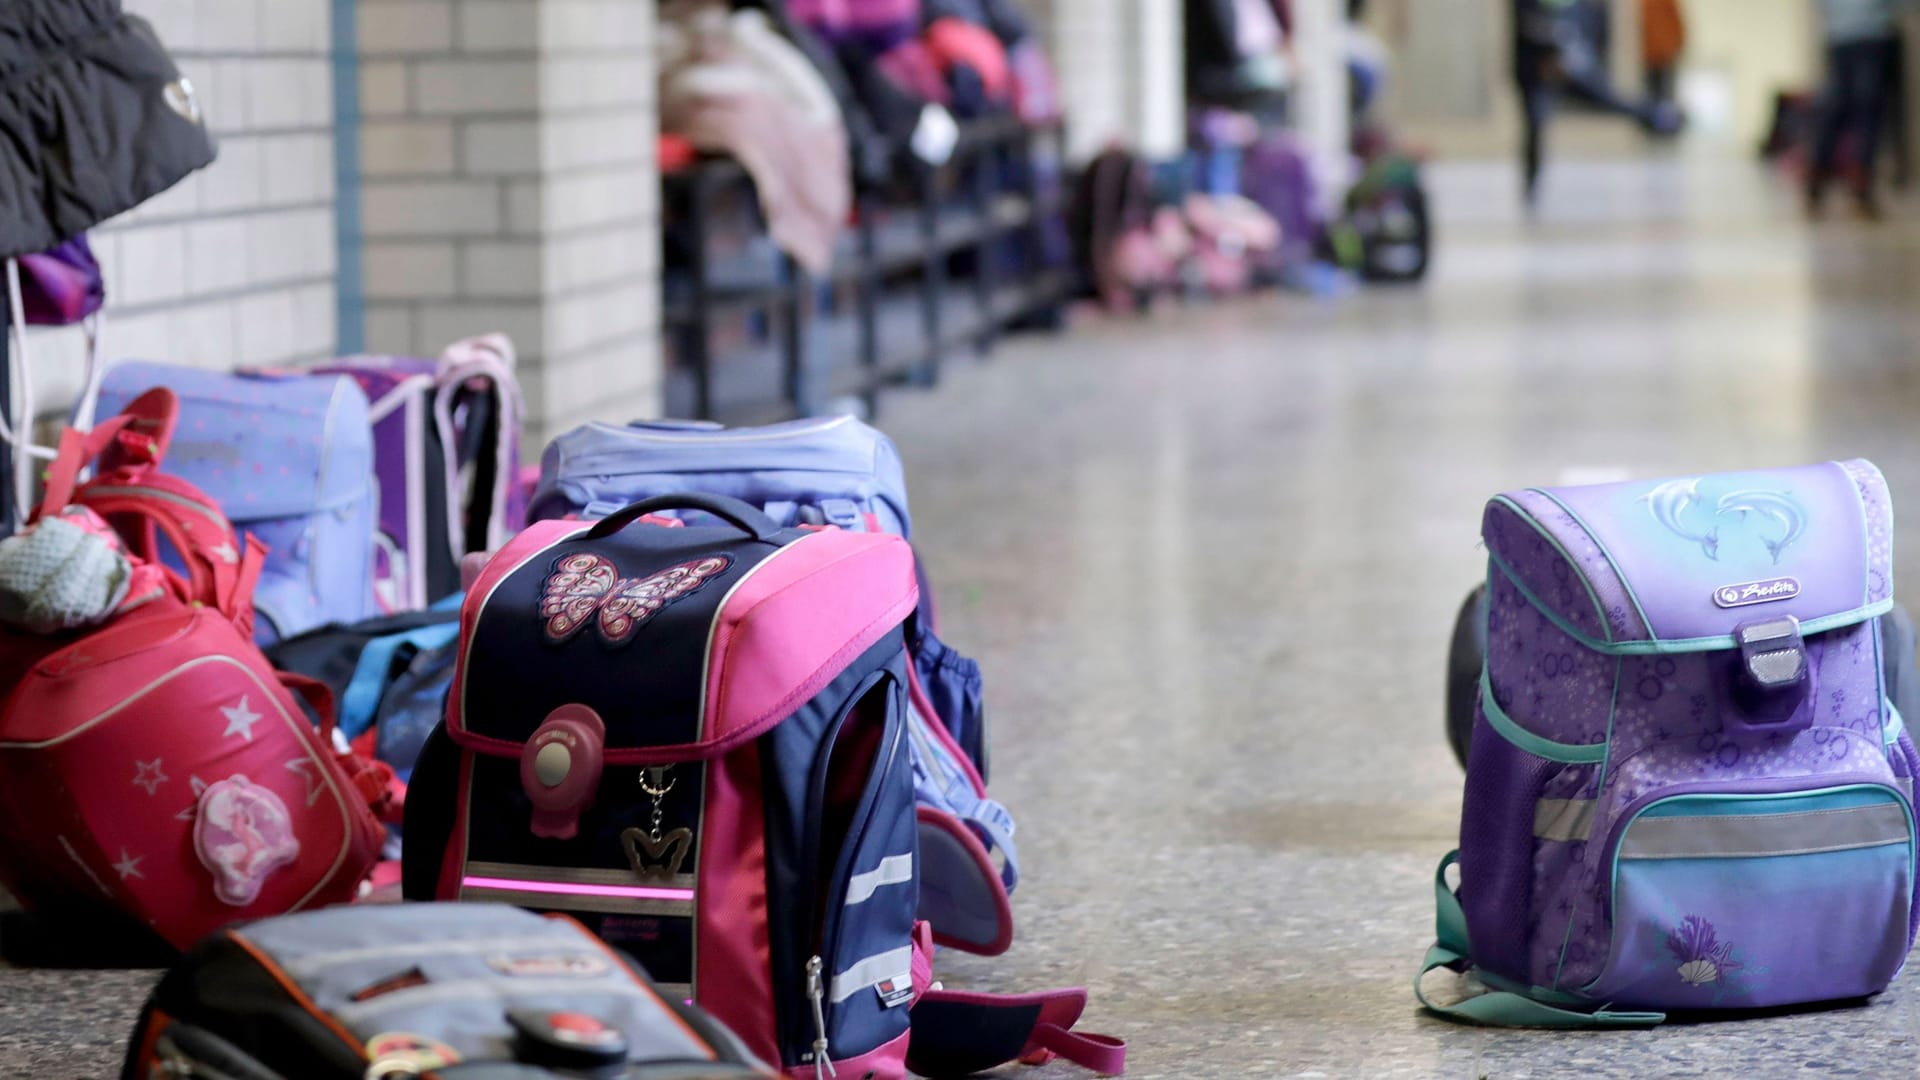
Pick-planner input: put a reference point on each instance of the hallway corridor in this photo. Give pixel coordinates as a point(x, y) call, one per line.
point(1210, 560)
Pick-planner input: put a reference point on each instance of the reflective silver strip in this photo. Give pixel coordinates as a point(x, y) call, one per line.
point(894, 964)
point(1563, 819)
point(571, 875)
point(1805, 832)
point(893, 870)
point(545, 901)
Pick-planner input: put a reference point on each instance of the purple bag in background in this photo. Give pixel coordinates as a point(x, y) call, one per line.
point(61, 286)
point(1276, 174)
point(447, 458)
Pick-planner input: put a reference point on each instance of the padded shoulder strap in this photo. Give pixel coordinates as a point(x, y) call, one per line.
point(1499, 1008)
point(957, 1033)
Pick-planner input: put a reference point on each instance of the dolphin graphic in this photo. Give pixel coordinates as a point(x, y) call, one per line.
point(1777, 505)
point(1670, 501)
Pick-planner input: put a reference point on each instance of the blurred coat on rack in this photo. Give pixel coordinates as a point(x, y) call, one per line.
point(94, 120)
point(730, 84)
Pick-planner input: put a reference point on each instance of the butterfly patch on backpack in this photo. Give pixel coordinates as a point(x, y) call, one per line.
point(585, 588)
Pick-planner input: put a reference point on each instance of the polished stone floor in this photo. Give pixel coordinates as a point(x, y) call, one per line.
point(1209, 560)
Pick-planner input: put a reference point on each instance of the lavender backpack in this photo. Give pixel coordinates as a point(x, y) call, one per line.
point(1686, 788)
point(445, 450)
point(289, 456)
point(829, 471)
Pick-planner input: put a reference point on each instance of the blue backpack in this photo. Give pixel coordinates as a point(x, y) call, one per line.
point(829, 471)
point(290, 460)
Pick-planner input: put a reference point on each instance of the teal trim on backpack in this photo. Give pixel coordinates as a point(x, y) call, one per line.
point(1599, 609)
point(1570, 753)
point(1892, 725)
point(1632, 597)
point(1613, 713)
point(1669, 646)
point(1500, 1008)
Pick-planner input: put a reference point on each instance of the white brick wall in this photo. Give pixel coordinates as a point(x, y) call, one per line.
point(510, 185)
point(236, 264)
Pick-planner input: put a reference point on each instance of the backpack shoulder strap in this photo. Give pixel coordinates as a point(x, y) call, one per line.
point(1499, 1008)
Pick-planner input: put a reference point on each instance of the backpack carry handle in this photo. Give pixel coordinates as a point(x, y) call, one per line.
point(732, 511)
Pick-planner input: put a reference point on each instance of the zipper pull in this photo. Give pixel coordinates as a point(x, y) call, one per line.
point(816, 994)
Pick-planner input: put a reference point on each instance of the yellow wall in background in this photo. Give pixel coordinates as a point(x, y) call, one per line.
point(1739, 52)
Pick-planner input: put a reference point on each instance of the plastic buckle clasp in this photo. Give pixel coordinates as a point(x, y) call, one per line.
point(1772, 653)
point(1774, 677)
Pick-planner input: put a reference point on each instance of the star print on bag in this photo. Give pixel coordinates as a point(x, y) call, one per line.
point(198, 785)
point(584, 584)
point(240, 719)
point(303, 767)
point(129, 866)
point(147, 774)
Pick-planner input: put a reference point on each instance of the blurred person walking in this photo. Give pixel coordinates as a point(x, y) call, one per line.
point(1554, 56)
point(1663, 37)
point(1863, 45)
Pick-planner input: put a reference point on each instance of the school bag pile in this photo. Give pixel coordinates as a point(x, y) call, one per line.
point(278, 641)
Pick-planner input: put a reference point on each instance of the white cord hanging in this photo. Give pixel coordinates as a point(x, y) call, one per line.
point(16, 425)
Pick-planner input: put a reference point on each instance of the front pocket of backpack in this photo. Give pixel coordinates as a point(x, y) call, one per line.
point(1746, 901)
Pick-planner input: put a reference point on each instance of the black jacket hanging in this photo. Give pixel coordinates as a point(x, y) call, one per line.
point(94, 119)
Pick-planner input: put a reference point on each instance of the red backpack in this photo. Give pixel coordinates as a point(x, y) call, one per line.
point(155, 765)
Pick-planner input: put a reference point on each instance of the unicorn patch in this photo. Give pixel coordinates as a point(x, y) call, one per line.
point(242, 833)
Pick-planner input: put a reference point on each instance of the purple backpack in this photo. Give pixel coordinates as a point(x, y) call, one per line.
point(1686, 788)
point(446, 449)
point(1277, 175)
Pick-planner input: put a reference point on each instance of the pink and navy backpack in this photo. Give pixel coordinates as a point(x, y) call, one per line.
point(1687, 789)
point(694, 740)
point(831, 471)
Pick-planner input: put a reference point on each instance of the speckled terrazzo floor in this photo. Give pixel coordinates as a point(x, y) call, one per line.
point(1209, 561)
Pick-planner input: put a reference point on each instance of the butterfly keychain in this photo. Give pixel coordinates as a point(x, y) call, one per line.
point(657, 857)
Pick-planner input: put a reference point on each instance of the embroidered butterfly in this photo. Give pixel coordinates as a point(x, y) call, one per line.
point(584, 586)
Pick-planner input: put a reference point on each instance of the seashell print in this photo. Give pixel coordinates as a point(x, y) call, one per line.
point(1699, 972)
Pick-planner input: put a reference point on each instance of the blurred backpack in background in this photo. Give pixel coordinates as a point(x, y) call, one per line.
point(446, 447)
point(289, 458)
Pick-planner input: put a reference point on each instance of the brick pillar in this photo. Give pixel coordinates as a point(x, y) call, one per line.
point(509, 183)
point(235, 264)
